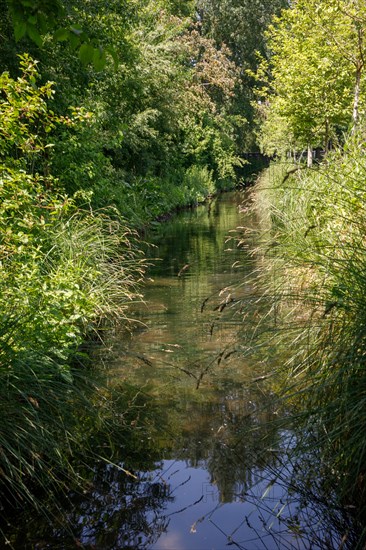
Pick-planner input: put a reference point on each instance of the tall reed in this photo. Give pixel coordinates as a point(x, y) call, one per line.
point(312, 270)
point(63, 272)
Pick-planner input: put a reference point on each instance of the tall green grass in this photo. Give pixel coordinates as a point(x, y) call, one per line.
point(59, 287)
point(311, 267)
point(66, 273)
point(145, 199)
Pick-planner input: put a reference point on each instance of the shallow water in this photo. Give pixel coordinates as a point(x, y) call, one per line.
point(219, 454)
point(205, 468)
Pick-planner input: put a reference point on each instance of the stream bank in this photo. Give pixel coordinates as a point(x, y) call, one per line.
point(206, 463)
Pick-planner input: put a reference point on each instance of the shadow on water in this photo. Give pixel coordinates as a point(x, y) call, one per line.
point(204, 465)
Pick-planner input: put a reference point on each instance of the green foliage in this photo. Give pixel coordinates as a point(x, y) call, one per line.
point(36, 20)
point(165, 108)
point(24, 113)
point(132, 109)
point(199, 182)
point(309, 86)
point(241, 26)
point(148, 198)
point(163, 111)
point(63, 271)
point(311, 91)
point(314, 275)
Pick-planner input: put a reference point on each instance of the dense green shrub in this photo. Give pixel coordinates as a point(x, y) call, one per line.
point(63, 271)
point(144, 199)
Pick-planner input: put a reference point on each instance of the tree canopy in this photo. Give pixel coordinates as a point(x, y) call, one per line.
point(312, 84)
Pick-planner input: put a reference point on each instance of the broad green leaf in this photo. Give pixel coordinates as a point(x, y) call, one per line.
point(44, 23)
point(99, 59)
point(86, 53)
point(20, 28)
point(74, 40)
point(61, 35)
point(34, 35)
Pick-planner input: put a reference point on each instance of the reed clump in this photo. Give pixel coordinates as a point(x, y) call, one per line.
point(313, 268)
point(70, 276)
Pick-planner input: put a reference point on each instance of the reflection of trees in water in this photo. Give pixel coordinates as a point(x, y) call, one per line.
point(234, 439)
point(197, 237)
point(250, 460)
point(231, 437)
point(121, 511)
point(295, 510)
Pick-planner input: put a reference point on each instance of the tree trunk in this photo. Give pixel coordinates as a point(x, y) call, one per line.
point(326, 138)
point(356, 99)
point(310, 156)
point(359, 67)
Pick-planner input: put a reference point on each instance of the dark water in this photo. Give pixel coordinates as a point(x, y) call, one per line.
point(205, 466)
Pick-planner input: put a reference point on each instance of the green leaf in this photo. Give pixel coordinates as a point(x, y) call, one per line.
point(20, 28)
point(61, 35)
point(114, 56)
point(86, 53)
point(43, 23)
point(34, 35)
point(74, 41)
point(99, 59)
point(66, 374)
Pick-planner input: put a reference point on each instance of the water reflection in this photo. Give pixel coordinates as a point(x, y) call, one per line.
point(187, 325)
point(207, 467)
point(195, 497)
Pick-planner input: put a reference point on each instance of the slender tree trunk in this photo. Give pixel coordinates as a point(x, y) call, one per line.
point(310, 156)
point(356, 99)
point(326, 138)
point(359, 67)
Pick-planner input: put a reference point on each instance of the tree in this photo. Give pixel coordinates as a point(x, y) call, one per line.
point(310, 81)
point(63, 21)
point(240, 24)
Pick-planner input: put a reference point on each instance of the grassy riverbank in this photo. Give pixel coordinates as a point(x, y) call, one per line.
point(65, 273)
point(313, 250)
point(69, 270)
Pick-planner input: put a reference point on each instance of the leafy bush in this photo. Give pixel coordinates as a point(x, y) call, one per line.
point(198, 183)
point(63, 270)
point(144, 199)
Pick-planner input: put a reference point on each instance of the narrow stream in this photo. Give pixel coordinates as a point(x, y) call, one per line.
point(217, 476)
point(208, 469)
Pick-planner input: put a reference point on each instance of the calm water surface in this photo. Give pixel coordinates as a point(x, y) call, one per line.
point(217, 474)
point(206, 468)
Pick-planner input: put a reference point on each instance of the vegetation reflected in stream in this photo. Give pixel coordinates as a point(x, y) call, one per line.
point(200, 468)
